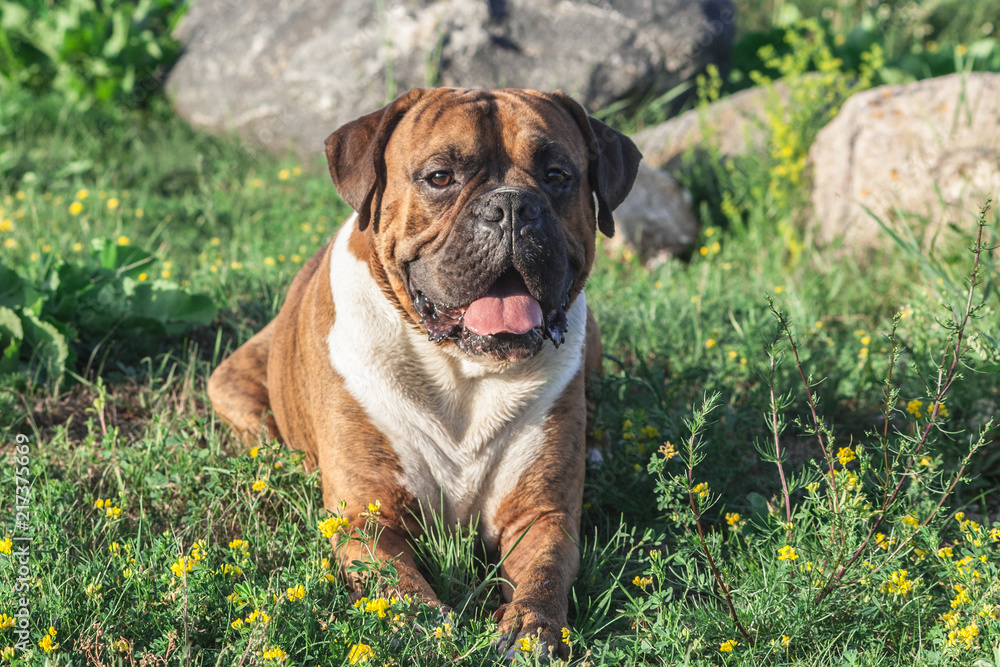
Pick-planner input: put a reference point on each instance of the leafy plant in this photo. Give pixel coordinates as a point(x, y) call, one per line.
point(91, 51)
point(46, 325)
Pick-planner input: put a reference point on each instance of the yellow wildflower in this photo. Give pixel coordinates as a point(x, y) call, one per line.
point(113, 203)
point(642, 582)
point(329, 527)
point(6, 544)
point(360, 653)
point(123, 240)
point(702, 490)
point(527, 643)
point(82, 194)
point(259, 485)
point(710, 343)
point(6, 621)
point(945, 552)
point(914, 407)
point(732, 518)
point(274, 654)
point(565, 637)
point(845, 455)
point(284, 174)
point(75, 208)
point(668, 451)
point(787, 552)
point(296, 592)
point(728, 645)
point(898, 584)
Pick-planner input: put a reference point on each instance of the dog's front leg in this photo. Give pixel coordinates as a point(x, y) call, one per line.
point(539, 526)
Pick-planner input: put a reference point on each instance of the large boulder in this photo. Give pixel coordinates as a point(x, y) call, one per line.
point(733, 126)
point(655, 219)
point(929, 151)
point(288, 72)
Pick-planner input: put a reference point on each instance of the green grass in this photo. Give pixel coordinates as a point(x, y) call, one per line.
point(689, 362)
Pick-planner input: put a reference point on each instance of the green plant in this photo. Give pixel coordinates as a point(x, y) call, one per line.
point(858, 532)
point(75, 308)
point(93, 52)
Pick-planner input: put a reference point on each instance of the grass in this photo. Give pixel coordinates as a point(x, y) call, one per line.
point(158, 540)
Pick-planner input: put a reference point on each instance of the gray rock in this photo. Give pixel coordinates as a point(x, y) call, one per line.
point(929, 149)
point(288, 72)
point(734, 125)
point(655, 219)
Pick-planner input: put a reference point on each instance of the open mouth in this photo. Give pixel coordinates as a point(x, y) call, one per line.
point(506, 321)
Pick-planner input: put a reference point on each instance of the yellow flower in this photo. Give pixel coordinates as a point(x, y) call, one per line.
point(374, 508)
point(898, 584)
point(236, 266)
point(10, 244)
point(845, 455)
point(360, 653)
point(77, 247)
point(668, 451)
point(6, 544)
point(7, 653)
point(710, 343)
point(702, 490)
point(961, 597)
point(82, 194)
point(296, 592)
point(284, 174)
point(46, 643)
point(778, 289)
point(6, 225)
point(642, 582)
point(728, 645)
point(259, 485)
point(787, 552)
point(75, 208)
point(123, 240)
point(732, 518)
point(258, 617)
point(911, 521)
point(274, 654)
point(113, 203)
point(945, 552)
point(121, 645)
point(527, 643)
point(297, 259)
point(914, 406)
point(269, 261)
point(334, 524)
point(256, 183)
point(92, 589)
point(565, 637)
point(785, 641)
point(6, 621)
point(237, 624)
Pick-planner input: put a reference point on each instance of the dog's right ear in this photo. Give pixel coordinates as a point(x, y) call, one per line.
point(355, 154)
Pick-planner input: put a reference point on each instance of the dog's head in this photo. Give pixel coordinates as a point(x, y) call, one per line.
point(481, 208)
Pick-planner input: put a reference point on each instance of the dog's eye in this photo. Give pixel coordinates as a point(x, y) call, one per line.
point(441, 179)
point(557, 177)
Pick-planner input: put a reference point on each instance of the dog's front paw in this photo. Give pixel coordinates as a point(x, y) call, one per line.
point(523, 628)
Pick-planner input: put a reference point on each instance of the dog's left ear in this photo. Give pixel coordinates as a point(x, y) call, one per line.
point(355, 155)
point(614, 161)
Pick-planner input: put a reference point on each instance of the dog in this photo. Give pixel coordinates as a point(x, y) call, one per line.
point(434, 354)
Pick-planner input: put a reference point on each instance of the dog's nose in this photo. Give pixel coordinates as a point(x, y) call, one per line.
point(511, 206)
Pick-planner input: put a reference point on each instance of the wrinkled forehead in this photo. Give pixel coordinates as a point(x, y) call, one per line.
point(493, 124)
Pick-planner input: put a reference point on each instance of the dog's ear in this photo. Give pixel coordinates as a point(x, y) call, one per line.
point(614, 161)
point(355, 156)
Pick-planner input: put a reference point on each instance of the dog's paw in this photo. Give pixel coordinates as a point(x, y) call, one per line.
point(525, 629)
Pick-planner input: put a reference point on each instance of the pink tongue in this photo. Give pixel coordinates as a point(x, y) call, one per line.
point(506, 308)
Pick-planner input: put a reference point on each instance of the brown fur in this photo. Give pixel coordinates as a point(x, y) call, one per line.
point(281, 380)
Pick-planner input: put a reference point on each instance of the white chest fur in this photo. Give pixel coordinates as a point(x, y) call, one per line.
point(463, 431)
